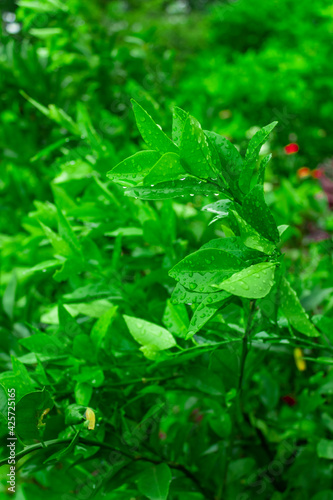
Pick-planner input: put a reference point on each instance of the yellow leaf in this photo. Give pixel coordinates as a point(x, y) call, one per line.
point(299, 360)
point(90, 416)
point(40, 420)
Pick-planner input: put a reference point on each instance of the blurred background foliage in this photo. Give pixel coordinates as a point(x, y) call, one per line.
point(235, 65)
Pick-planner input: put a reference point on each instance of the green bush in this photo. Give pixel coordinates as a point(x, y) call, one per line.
point(209, 405)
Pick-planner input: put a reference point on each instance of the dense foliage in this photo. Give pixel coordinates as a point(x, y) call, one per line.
point(167, 295)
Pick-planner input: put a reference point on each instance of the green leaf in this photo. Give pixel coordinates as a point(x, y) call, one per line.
point(229, 225)
point(201, 270)
point(8, 299)
point(93, 376)
point(258, 215)
point(293, 310)
point(178, 122)
point(175, 318)
point(204, 312)
point(151, 133)
point(251, 238)
point(282, 229)
point(172, 189)
point(67, 234)
point(263, 164)
point(71, 267)
point(235, 246)
point(154, 482)
point(256, 143)
point(83, 393)
point(182, 295)
point(52, 112)
point(68, 325)
point(324, 324)
point(46, 6)
point(220, 207)
point(150, 352)
point(167, 168)
point(252, 155)
point(61, 247)
point(221, 423)
point(101, 327)
point(230, 159)
point(83, 348)
point(226, 363)
point(253, 283)
point(134, 169)
point(92, 291)
point(215, 162)
point(325, 449)
point(204, 380)
point(29, 412)
point(149, 334)
point(43, 33)
point(74, 414)
point(47, 264)
point(195, 152)
point(43, 343)
point(19, 379)
point(64, 451)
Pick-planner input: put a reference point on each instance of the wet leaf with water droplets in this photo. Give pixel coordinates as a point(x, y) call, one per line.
point(204, 312)
point(194, 150)
point(294, 311)
point(235, 246)
point(182, 295)
point(253, 282)
point(251, 238)
point(258, 215)
point(149, 334)
point(263, 164)
point(175, 318)
point(255, 144)
point(205, 268)
point(252, 155)
point(178, 122)
point(171, 189)
point(230, 159)
point(167, 168)
point(220, 207)
point(151, 133)
point(133, 170)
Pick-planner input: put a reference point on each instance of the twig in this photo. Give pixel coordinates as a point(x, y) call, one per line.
point(54, 442)
point(245, 351)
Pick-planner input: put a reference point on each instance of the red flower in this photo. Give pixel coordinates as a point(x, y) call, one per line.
point(317, 173)
point(196, 416)
point(291, 148)
point(289, 400)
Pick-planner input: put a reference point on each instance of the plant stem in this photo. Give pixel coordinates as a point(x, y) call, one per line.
point(245, 346)
point(238, 404)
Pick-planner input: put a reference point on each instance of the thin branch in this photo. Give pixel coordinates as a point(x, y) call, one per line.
point(245, 350)
point(54, 442)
